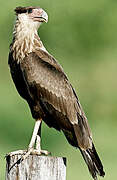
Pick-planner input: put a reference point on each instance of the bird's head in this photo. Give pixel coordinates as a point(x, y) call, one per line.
point(31, 16)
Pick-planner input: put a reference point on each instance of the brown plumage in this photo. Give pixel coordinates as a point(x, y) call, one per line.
point(41, 81)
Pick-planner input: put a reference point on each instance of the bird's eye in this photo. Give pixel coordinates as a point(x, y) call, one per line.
point(29, 11)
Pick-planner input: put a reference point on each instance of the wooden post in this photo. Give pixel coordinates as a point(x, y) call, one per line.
point(36, 168)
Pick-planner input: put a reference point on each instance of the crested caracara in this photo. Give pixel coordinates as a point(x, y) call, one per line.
point(41, 81)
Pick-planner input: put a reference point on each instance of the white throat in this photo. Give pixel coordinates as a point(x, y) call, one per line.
point(24, 34)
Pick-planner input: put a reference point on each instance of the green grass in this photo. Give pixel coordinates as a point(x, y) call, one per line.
point(82, 37)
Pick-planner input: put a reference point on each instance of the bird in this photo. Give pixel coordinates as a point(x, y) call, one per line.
point(42, 82)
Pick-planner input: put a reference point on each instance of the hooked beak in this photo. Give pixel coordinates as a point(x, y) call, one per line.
point(43, 17)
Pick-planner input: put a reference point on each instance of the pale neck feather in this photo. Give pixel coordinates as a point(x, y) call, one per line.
point(26, 39)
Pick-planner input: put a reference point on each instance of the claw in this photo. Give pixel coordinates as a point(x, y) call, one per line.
point(26, 153)
point(35, 142)
point(18, 152)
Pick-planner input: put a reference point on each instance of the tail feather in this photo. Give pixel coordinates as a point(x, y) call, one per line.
point(93, 162)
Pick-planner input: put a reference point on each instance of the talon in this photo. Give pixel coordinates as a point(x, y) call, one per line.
point(35, 142)
point(40, 152)
point(45, 152)
point(18, 152)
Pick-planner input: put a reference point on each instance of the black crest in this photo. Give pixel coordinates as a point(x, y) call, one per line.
point(20, 10)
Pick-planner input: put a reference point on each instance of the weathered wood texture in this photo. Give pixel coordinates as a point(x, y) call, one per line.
point(36, 168)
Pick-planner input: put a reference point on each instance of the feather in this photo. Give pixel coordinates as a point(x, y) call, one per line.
point(93, 162)
point(41, 81)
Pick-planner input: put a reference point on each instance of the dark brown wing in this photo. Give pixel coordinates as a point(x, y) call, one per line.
point(41, 81)
point(46, 81)
point(18, 77)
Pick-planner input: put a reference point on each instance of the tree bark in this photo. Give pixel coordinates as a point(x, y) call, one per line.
point(36, 168)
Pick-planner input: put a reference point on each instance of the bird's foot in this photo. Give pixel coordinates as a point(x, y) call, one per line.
point(24, 154)
point(18, 152)
point(30, 151)
point(41, 152)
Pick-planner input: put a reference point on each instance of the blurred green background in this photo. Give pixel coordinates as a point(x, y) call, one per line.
point(82, 35)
